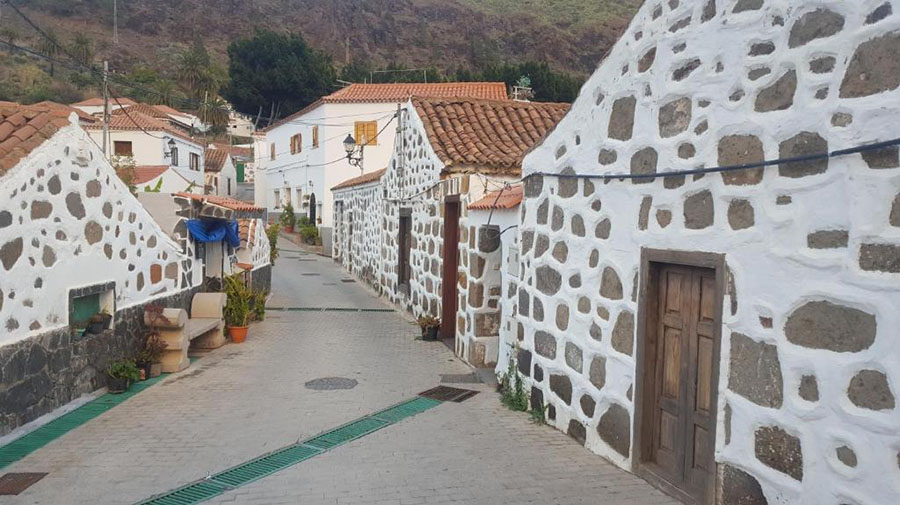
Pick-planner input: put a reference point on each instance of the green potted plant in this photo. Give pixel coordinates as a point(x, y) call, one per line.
point(430, 326)
point(288, 219)
point(121, 374)
point(259, 305)
point(238, 308)
point(99, 322)
point(147, 360)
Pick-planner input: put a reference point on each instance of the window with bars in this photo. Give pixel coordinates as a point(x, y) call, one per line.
point(366, 133)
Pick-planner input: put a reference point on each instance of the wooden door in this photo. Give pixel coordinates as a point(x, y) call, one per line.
point(451, 265)
point(682, 348)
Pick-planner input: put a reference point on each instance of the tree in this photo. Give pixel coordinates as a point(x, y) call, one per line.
point(276, 72)
point(192, 67)
point(82, 49)
point(49, 45)
point(214, 112)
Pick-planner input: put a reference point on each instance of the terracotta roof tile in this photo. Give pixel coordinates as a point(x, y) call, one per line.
point(235, 151)
point(215, 160)
point(134, 120)
point(360, 180)
point(143, 108)
point(247, 231)
point(490, 135)
point(23, 128)
point(146, 173)
point(221, 201)
point(508, 199)
point(400, 92)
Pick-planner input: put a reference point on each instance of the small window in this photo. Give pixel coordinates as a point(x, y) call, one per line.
point(229, 187)
point(296, 143)
point(174, 156)
point(91, 309)
point(277, 199)
point(366, 133)
point(194, 161)
point(315, 136)
point(122, 148)
point(272, 151)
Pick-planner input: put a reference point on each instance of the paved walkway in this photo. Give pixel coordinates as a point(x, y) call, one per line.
point(244, 400)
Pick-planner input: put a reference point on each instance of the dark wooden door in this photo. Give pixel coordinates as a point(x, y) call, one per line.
point(451, 265)
point(682, 430)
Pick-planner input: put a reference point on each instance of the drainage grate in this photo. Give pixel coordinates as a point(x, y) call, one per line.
point(448, 394)
point(348, 281)
point(15, 483)
point(310, 274)
point(347, 433)
point(268, 464)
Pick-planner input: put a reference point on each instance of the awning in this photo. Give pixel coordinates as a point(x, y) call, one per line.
point(214, 230)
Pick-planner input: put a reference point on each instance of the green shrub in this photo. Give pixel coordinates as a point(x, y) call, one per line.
point(309, 234)
point(303, 222)
point(124, 369)
point(259, 305)
point(512, 389)
point(287, 218)
point(238, 308)
point(272, 233)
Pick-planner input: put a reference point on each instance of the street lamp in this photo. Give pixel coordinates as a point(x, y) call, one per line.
point(171, 145)
point(354, 152)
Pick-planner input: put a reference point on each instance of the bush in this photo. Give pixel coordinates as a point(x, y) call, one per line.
point(272, 232)
point(238, 307)
point(259, 305)
point(303, 222)
point(287, 218)
point(309, 234)
point(124, 370)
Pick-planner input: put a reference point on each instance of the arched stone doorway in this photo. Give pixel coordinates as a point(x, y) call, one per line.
point(312, 208)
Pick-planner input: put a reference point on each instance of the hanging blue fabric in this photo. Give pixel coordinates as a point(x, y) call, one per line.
point(214, 230)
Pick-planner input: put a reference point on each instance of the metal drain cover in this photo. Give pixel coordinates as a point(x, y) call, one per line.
point(448, 394)
point(15, 483)
point(348, 281)
point(311, 275)
point(331, 384)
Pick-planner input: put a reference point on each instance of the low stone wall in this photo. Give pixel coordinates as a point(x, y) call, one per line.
point(49, 370)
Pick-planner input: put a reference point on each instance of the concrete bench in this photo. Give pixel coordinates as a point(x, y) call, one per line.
point(205, 329)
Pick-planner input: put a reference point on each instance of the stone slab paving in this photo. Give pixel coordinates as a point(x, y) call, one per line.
point(244, 400)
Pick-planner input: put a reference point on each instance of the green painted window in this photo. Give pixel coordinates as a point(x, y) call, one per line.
point(84, 307)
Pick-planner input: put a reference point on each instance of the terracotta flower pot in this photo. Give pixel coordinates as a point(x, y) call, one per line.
point(117, 385)
point(289, 229)
point(237, 333)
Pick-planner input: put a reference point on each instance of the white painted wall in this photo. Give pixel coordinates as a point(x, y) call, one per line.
point(148, 150)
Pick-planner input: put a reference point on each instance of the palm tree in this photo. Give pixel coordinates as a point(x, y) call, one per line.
point(82, 49)
point(215, 113)
point(166, 90)
point(49, 45)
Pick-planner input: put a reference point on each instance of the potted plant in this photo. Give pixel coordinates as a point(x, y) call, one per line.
point(121, 374)
point(430, 326)
point(154, 345)
point(238, 308)
point(99, 322)
point(288, 219)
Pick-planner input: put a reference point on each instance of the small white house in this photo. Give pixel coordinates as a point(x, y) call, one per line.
point(302, 156)
point(220, 174)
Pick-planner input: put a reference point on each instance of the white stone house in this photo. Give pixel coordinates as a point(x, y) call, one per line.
point(220, 173)
point(302, 156)
point(144, 141)
point(73, 243)
point(730, 336)
point(392, 232)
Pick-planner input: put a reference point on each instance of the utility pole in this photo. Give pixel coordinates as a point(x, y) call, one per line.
point(115, 21)
point(105, 108)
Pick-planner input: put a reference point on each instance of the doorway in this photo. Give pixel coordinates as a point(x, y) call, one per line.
point(679, 337)
point(451, 267)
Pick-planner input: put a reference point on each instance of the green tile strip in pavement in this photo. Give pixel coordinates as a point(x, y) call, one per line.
point(257, 468)
point(26, 444)
point(326, 309)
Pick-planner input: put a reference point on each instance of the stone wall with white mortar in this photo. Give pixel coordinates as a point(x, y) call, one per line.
point(358, 217)
point(810, 369)
point(67, 221)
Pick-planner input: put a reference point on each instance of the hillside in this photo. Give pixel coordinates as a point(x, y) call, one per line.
point(572, 35)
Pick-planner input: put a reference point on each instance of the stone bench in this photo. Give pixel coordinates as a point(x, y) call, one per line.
point(205, 329)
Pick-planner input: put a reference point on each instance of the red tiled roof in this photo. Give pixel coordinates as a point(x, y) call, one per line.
point(491, 135)
point(134, 120)
point(147, 173)
point(82, 115)
point(170, 110)
point(506, 199)
point(215, 160)
point(247, 231)
point(235, 151)
point(221, 201)
point(360, 180)
point(401, 92)
point(143, 108)
point(95, 102)
point(24, 128)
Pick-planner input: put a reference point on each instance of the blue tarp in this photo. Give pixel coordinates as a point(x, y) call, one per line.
point(215, 230)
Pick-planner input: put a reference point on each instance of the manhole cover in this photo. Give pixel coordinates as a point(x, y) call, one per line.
point(448, 394)
point(15, 483)
point(331, 383)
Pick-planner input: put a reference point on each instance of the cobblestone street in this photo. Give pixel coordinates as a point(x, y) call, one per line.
point(242, 401)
